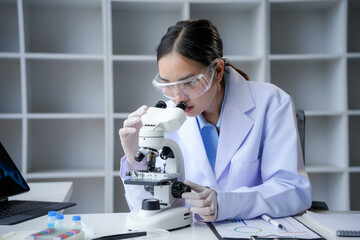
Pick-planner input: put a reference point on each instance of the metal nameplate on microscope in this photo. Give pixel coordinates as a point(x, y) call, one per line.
point(150, 182)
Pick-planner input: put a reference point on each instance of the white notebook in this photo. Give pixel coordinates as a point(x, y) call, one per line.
point(342, 225)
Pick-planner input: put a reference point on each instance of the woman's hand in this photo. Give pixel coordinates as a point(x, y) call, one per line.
point(203, 200)
point(129, 135)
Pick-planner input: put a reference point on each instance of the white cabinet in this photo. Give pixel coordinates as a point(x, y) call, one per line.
point(72, 70)
point(64, 26)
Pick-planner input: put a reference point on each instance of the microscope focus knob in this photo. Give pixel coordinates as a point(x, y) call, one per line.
point(178, 188)
point(150, 204)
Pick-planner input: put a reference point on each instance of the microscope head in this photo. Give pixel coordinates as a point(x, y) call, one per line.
point(156, 122)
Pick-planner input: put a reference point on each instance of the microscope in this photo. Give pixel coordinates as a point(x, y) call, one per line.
point(163, 176)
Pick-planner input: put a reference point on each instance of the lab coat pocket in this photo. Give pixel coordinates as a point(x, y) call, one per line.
point(244, 173)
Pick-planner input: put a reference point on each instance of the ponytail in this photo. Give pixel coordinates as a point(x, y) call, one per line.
point(227, 63)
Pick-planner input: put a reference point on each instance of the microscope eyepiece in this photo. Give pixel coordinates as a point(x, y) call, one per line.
point(182, 105)
point(160, 104)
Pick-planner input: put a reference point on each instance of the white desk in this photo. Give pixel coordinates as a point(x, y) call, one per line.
point(44, 191)
point(47, 191)
point(114, 223)
point(111, 223)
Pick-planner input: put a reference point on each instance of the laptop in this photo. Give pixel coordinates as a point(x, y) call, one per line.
point(12, 183)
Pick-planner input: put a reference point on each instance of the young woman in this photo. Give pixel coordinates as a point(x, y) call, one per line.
point(242, 154)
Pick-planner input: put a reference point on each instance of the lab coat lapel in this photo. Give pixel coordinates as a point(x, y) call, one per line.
point(195, 151)
point(235, 124)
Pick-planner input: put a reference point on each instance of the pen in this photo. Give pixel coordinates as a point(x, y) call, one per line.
point(273, 222)
point(122, 236)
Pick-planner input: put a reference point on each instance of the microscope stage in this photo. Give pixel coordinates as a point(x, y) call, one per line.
point(150, 182)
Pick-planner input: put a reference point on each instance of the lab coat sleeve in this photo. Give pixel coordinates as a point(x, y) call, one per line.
point(134, 194)
point(285, 188)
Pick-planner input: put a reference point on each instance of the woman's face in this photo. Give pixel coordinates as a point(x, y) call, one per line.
point(174, 67)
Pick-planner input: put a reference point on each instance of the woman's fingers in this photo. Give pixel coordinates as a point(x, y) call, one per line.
point(131, 122)
point(206, 211)
point(125, 132)
point(139, 112)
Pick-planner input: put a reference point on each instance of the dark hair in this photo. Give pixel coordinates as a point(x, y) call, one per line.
point(198, 40)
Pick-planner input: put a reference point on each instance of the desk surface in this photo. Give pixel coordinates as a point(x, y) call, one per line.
point(114, 223)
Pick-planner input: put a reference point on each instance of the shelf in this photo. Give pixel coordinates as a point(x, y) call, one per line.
point(354, 191)
point(63, 26)
point(64, 56)
point(354, 112)
point(9, 55)
point(354, 133)
point(131, 91)
point(307, 27)
point(353, 82)
point(65, 144)
point(10, 86)
point(144, 24)
point(353, 34)
point(353, 55)
point(151, 58)
point(65, 116)
point(325, 147)
point(11, 116)
point(324, 113)
point(354, 169)
point(10, 137)
point(120, 204)
point(9, 26)
point(321, 80)
point(330, 187)
point(305, 57)
point(323, 169)
point(81, 81)
point(240, 25)
point(121, 115)
point(70, 173)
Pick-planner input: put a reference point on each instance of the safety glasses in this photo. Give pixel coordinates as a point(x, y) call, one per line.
point(187, 88)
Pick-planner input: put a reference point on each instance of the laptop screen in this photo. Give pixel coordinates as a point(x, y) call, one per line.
point(11, 180)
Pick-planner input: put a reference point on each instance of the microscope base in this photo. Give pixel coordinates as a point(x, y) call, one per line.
point(166, 218)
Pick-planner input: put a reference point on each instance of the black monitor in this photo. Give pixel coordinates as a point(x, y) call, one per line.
point(11, 181)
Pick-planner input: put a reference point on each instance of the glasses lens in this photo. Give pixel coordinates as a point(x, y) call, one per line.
point(188, 88)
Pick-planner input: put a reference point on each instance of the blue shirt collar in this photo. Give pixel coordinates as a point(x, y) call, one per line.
point(202, 121)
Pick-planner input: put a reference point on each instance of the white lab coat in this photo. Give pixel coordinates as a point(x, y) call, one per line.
point(259, 165)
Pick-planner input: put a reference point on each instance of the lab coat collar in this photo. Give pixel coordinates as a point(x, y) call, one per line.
point(235, 124)
point(194, 148)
